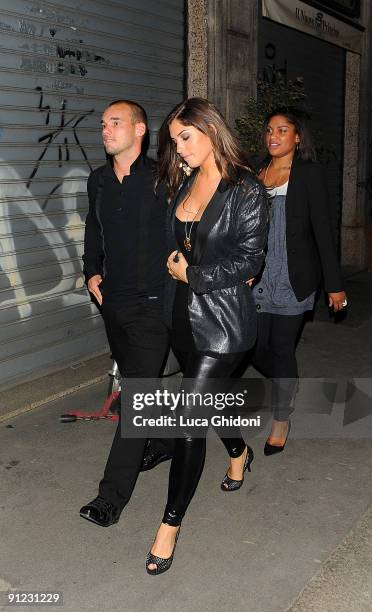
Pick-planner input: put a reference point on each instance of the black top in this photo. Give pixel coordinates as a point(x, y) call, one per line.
point(181, 334)
point(125, 232)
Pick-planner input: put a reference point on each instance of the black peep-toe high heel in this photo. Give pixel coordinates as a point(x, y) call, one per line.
point(229, 484)
point(162, 565)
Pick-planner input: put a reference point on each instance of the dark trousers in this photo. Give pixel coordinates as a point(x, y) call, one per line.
point(189, 451)
point(274, 355)
point(139, 342)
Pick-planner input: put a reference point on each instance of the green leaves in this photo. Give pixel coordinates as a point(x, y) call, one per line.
point(269, 96)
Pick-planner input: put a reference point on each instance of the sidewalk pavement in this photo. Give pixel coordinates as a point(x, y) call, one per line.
point(297, 536)
point(17, 399)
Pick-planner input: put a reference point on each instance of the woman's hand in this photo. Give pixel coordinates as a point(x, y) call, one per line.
point(177, 269)
point(337, 300)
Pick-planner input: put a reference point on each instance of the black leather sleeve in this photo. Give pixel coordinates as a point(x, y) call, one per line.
point(248, 241)
point(93, 244)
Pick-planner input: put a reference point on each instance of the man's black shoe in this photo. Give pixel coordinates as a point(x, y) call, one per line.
point(152, 458)
point(101, 512)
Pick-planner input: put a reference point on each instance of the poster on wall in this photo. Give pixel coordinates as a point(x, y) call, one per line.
point(301, 16)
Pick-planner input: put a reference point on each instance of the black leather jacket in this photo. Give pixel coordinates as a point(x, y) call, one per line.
point(229, 249)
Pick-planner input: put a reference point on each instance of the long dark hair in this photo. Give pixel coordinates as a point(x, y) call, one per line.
point(204, 116)
point(299, 119)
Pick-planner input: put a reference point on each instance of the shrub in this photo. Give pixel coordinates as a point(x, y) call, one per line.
point(270, 95)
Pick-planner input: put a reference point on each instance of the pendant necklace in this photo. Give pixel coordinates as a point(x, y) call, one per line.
point(187, 242)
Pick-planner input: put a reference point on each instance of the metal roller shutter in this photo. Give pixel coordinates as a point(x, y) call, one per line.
point(59, 66)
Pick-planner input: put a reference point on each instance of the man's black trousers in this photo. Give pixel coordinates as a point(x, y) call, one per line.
point(139, 342)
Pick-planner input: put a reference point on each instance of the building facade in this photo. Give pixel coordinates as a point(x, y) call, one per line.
point(60, 66)
point(329, 45)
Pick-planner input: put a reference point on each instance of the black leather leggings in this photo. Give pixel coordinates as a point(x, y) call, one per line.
point(189, 452)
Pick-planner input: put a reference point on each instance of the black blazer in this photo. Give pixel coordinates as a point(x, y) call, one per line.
point(229, 249)
point(311, 248)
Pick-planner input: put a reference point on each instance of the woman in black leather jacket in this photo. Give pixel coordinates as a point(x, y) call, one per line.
point(300, 253)
point(217, 230)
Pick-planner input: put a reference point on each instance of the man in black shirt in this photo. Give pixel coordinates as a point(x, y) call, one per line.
point(124, 263)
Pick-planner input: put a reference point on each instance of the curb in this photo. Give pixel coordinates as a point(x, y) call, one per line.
point(51, 398)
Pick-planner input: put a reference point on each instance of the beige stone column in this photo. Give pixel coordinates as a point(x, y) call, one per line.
point(222, 52)
point(358, 92)
point(197, 49)
point(353, 214)
point(232, 56)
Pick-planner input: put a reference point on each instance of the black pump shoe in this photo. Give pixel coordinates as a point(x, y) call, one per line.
point(162, 565)
point(101, 512)
point(229, 484)
point(271, 449)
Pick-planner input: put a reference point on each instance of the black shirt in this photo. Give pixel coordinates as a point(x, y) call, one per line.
point(125, 232)
point(181, 333)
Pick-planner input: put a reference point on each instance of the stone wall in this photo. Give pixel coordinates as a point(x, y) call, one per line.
point(222, 52)
point(197, 48)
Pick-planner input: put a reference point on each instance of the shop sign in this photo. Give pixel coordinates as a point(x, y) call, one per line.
point(351, 8)
point(301, 16)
